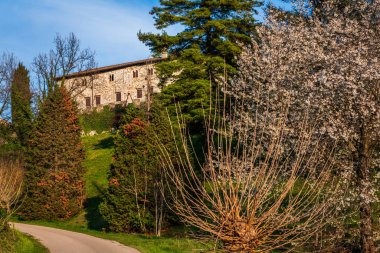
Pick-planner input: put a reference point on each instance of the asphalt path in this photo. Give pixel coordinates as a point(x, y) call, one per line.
point(63, 241)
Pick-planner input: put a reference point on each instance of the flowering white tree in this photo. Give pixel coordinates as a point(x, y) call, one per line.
point(330, 68)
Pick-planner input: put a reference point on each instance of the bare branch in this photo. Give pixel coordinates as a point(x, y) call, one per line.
point(65, 58)
point(8, 64)
point(249, 195)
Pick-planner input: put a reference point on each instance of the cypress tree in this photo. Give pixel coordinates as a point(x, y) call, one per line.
point(213, 34)
point(135, 197)
point(125, 206)
point(54, 173)
point(20, 104)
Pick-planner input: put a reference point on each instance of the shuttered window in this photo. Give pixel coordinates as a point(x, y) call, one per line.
point(88, 101)
point(139, 93)
point(118, 96)
point(97, 99)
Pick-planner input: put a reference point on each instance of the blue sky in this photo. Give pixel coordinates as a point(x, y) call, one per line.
point(27, 27)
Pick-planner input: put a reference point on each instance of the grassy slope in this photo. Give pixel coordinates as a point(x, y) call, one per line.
point(12, 241)
point(27, 244)
point(99, 151)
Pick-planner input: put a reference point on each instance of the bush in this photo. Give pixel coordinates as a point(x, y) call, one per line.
point(103, 120)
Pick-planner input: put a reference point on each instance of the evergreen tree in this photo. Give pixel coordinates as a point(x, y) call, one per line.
point(20, 104)
point(213, 35)
point(135, 197)
point(125, 206)
point(54, 182)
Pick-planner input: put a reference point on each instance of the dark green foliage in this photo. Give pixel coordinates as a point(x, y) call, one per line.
point(213, 35)
point(10, 148)
point(125, 207)
point(134, 200)
point(103, 120)
point(11, 152)
point(20, 104)
point(54, 186)
point(7, 134)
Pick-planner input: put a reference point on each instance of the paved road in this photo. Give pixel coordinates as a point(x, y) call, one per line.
point(62, 241)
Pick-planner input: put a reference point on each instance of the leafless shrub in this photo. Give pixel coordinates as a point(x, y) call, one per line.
point(11, 177)
point(252, 196)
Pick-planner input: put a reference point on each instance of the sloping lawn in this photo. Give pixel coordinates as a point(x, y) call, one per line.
point(99, 151)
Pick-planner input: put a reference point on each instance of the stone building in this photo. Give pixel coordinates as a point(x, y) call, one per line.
point(131, 82)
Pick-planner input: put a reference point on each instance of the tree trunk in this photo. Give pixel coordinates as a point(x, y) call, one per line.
point(364, 184)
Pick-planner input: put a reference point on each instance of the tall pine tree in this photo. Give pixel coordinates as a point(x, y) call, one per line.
point(21, 104)
point(54, 182)
point(213, 34)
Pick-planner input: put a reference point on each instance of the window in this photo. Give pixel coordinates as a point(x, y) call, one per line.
point(135, 73)
point(97, 100)
point(151, 89)
point(112, 78)
point(150, 72)
point(88, 101)
point(118, 96)
point(139, 93)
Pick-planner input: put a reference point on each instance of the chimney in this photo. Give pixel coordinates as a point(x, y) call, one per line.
point(164, 54)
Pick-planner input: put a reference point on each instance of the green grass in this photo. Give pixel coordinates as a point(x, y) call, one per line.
point(99, 151)
point(27, 244)
point(12, 241)
point(144, 243)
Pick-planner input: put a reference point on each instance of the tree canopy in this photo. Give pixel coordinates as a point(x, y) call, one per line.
point(212, 36)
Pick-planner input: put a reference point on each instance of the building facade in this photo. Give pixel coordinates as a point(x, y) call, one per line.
point(131, 82)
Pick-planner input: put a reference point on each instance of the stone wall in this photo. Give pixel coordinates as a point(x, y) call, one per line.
point(107, 84)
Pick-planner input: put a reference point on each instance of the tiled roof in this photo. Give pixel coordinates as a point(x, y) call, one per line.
point(112, 67)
